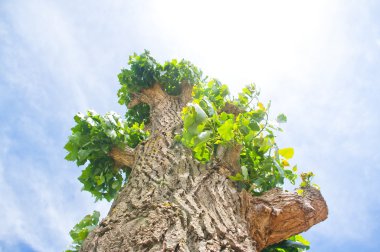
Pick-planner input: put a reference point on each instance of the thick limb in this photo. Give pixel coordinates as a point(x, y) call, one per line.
point(277, 215)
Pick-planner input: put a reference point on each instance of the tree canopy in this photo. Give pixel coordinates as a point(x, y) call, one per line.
point(214, 121)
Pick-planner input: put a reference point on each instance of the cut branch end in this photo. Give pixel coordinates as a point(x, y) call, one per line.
point(277, 215)
point(124, 157)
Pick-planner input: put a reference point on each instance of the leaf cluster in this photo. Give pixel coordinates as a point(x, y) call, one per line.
point(91, 140)
point(296, 243)
point(144, 71)
point(209, 125)
point(306, 178)
point(81, 230)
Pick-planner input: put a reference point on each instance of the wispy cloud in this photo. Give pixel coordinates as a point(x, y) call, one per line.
point(39, 205)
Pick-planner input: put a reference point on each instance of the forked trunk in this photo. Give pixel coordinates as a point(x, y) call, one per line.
point(174, 203)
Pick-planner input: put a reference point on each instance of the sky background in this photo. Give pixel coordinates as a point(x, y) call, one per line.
point(317, 61)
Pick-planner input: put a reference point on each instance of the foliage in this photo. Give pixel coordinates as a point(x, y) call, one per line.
point(139, 114)
point(91, 140)
point(207, 127)
point(306, 178)
point(295, 243)
point(82, 229)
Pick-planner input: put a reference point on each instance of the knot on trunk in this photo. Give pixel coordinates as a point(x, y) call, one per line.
point(151, 96)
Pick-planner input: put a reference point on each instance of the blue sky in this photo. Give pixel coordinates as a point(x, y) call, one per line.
point(317, 61)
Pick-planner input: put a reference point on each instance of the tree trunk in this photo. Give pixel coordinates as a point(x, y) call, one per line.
point(172, 202)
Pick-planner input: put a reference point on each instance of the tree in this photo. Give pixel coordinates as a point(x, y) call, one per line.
point(189, 168)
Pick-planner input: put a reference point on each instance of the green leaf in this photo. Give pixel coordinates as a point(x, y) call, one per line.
point(237, 177)
point(300, 192)
point(247, 91)
point(286, 152)
point(100, 180)
point(92, 138)
point(202, 153)
point(72, 156)
point(280, 171)
point(116, 184)
point(301, 239)
point(193, 116)
point(244, 171)
point(83, 154)
point(81, 230)
point(203, 137)
point(226, 130)
point(254, 126)
point(200, 115)
point(294, 244)
point(281, 118)
point(207, 106)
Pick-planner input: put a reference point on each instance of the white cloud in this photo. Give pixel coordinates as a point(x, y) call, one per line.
point(246, 39)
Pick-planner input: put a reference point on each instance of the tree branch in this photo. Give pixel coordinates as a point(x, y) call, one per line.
point(230, 155)
point(137, 99)
point(124, 157)
point(277, 215)
point(186, 93)
point(231, 108)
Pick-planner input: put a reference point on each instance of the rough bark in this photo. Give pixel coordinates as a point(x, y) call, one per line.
point(174, 203)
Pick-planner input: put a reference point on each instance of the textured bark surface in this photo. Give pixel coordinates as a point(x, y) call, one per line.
point(173, 203)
